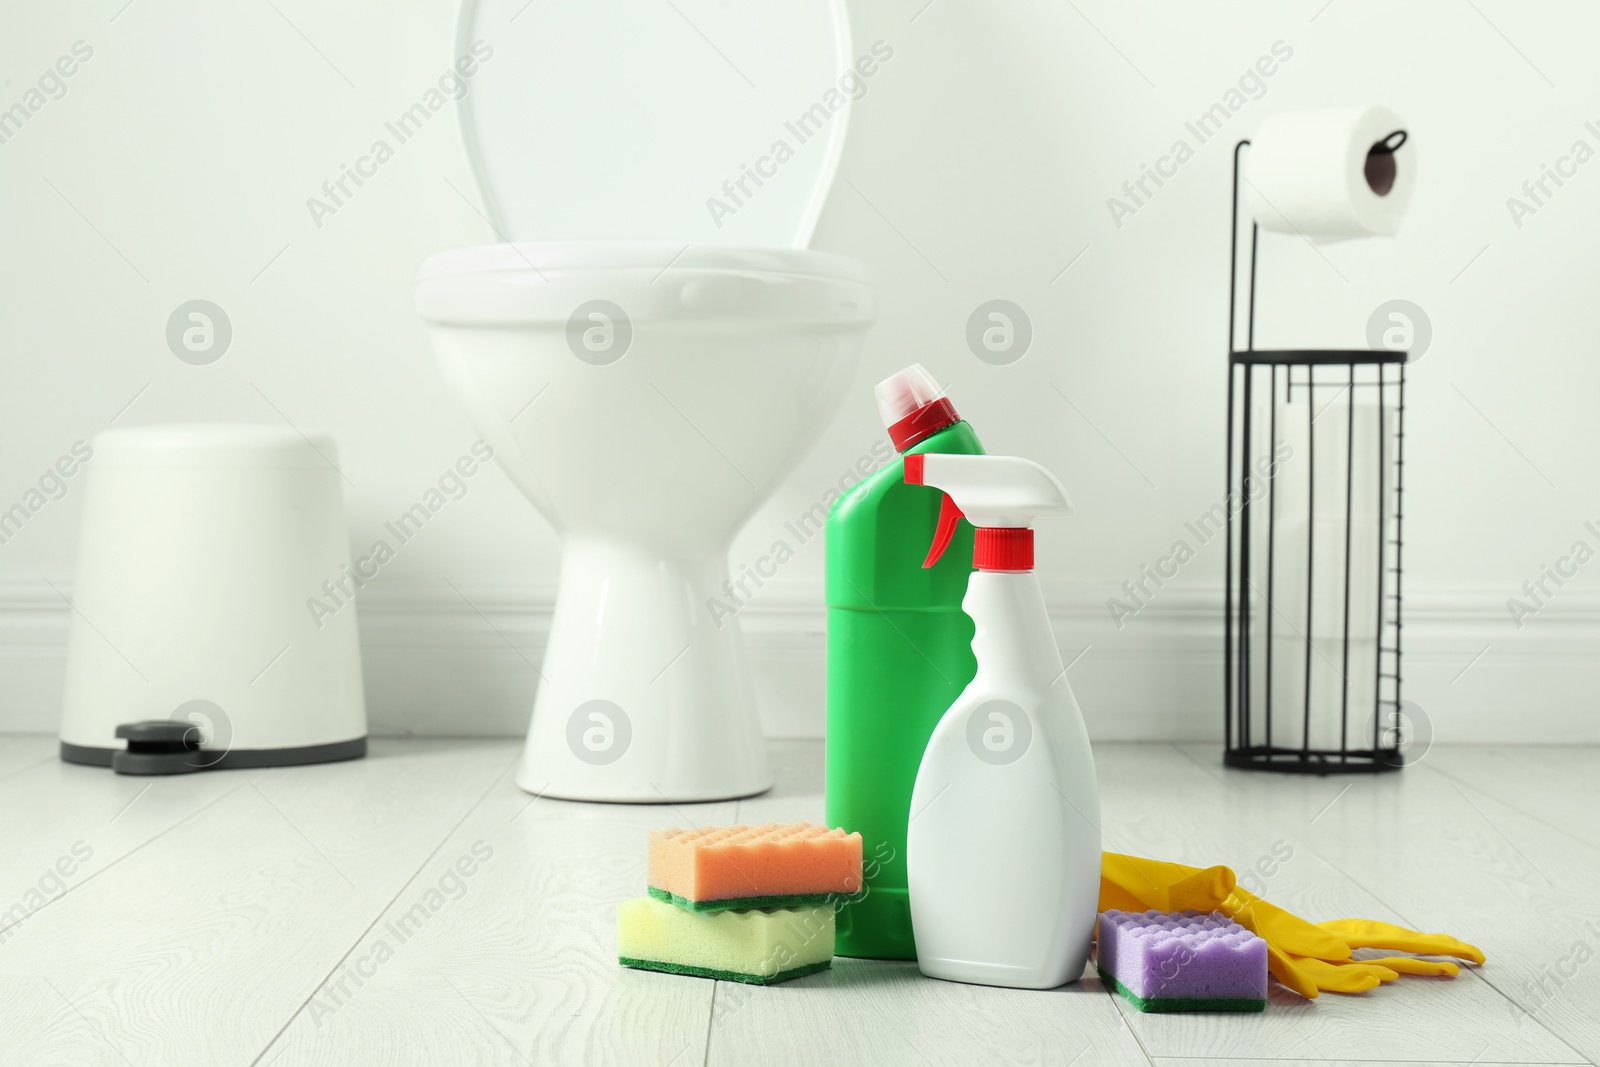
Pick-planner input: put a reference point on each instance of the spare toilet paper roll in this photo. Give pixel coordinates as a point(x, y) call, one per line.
point(1353, 501)
point(1331, 175)
point(1355, 477)
point(1339, 712)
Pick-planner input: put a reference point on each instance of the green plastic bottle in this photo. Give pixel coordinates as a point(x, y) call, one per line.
point(899, 652)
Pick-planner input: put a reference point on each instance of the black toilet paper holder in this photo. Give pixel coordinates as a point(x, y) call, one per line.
point(1248, 690)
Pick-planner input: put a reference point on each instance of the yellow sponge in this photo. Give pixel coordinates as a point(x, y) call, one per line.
point(760, 947)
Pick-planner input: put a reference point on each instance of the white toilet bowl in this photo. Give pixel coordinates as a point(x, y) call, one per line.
point(647, 463)
point(646, 395)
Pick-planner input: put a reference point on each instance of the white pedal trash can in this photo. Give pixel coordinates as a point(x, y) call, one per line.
point(194, 644)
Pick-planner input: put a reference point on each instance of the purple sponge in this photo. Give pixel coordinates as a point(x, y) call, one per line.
point(1182, 961)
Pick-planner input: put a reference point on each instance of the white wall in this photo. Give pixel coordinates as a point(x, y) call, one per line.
point(178, 164)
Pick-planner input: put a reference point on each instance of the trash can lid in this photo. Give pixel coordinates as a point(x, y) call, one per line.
point(214, 445)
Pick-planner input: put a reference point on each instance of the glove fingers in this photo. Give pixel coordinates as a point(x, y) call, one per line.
point(1370, 933)
point(1412, 965)
point(1345, 977)
point(1424, 945)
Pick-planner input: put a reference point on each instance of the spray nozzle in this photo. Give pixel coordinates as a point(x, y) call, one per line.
point(1000, 495)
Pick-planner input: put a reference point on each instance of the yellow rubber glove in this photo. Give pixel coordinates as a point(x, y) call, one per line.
point(1369, 933)
point(1129, 883)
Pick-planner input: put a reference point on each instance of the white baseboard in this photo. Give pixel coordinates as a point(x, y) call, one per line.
point(438, 666)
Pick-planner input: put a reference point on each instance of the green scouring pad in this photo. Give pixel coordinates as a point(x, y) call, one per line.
point(1176, 1004)
point(792, 900)
point(724, 976)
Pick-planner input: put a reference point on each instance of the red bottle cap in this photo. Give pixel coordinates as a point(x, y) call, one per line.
point(923, 423)
point(1003, 548)
point(913, 407)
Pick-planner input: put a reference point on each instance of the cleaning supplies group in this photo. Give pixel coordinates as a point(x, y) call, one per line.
point(952, 732)
point(756, 904)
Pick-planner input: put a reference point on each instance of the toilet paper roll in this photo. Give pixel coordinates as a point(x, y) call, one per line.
point(1369, 464)
point(1331, 175)
point(1311, 558)
point(1311, 562)
point(1338, 711)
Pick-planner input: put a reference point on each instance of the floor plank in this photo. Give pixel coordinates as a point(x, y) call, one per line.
point(18, 752)
point(198, 946)
point(519, 965)
point(67, 824)
point(1559, 786)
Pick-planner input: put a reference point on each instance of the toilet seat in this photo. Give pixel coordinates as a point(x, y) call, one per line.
point(658, 256)
point(690, 96)
point(541, 283)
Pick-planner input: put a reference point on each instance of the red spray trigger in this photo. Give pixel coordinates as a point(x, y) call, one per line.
point(949, 513)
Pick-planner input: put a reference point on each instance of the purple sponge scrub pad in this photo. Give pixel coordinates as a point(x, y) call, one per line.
point(1166, 961)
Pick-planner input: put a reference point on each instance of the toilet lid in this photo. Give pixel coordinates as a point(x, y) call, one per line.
point(712, 122)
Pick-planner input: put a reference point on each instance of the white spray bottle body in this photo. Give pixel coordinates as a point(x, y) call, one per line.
point(1003, 843)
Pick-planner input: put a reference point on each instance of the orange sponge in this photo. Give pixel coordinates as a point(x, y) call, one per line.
point(774, 865)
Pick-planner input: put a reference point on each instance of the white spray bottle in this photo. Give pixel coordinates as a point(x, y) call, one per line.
point(1003, 846)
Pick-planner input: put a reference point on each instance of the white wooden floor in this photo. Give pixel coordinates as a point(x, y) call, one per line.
point(321, 915)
